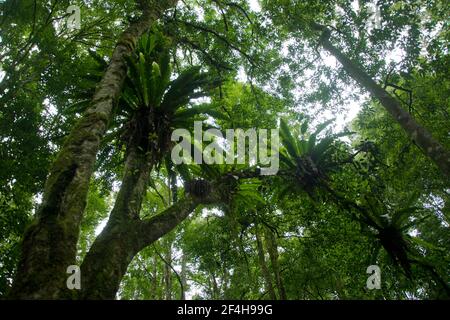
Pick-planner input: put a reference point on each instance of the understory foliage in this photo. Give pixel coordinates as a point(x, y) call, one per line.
point(351, 191)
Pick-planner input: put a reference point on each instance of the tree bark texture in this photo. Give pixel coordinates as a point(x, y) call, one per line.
point(49, 244)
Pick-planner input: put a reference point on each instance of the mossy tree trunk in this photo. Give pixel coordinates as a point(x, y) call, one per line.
point(49, 244)
point(263, 264)
point(168, 270)
point(154, 283)
point(429, 146)
point(184, 275)
point(272, 248)
point(215, 292)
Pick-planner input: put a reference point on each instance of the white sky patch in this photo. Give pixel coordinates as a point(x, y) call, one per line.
point(396, 55)
point(211, 212)
point(34, 49)
point(116, 186)
point(254, 5)
point(200, 13)
point(329, 61)
point(101, 226)
point(414, 233)
point(285, 46)
point(201, 100)
point(355, 6)
point(242, 75)
point(437, 204)
point(50, 107)
point(37, 200)
point(343, 119)
point(194, 290)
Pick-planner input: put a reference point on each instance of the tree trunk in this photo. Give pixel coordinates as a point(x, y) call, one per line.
point(215, 287)
point(263, 264)
point(168, 271)
point(49, 244)
point(272, 248)
point(124, 220)
point(183, 275)
point(225, 281)
point(430, 147)
point(154, 282)
point(107, 261)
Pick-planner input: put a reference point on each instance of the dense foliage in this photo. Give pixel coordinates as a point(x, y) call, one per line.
point(356, 187)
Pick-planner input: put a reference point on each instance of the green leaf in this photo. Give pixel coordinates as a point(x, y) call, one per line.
point(183, 170)
point(288, 140)
point(304, 127)
point(197, 110)
point(401, 216)
point(322, 126)
point(143, 78)
point(426, 244)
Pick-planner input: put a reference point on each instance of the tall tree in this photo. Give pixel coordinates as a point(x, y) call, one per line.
point(49, 245)
point(338, 203)
point(317, 28)
point(420, 135)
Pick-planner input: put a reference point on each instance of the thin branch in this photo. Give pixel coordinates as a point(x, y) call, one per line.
point(220, 37)
point(195, 46)
point(173, 269)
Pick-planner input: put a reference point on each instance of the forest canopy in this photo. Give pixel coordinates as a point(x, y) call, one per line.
point(224, 149)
